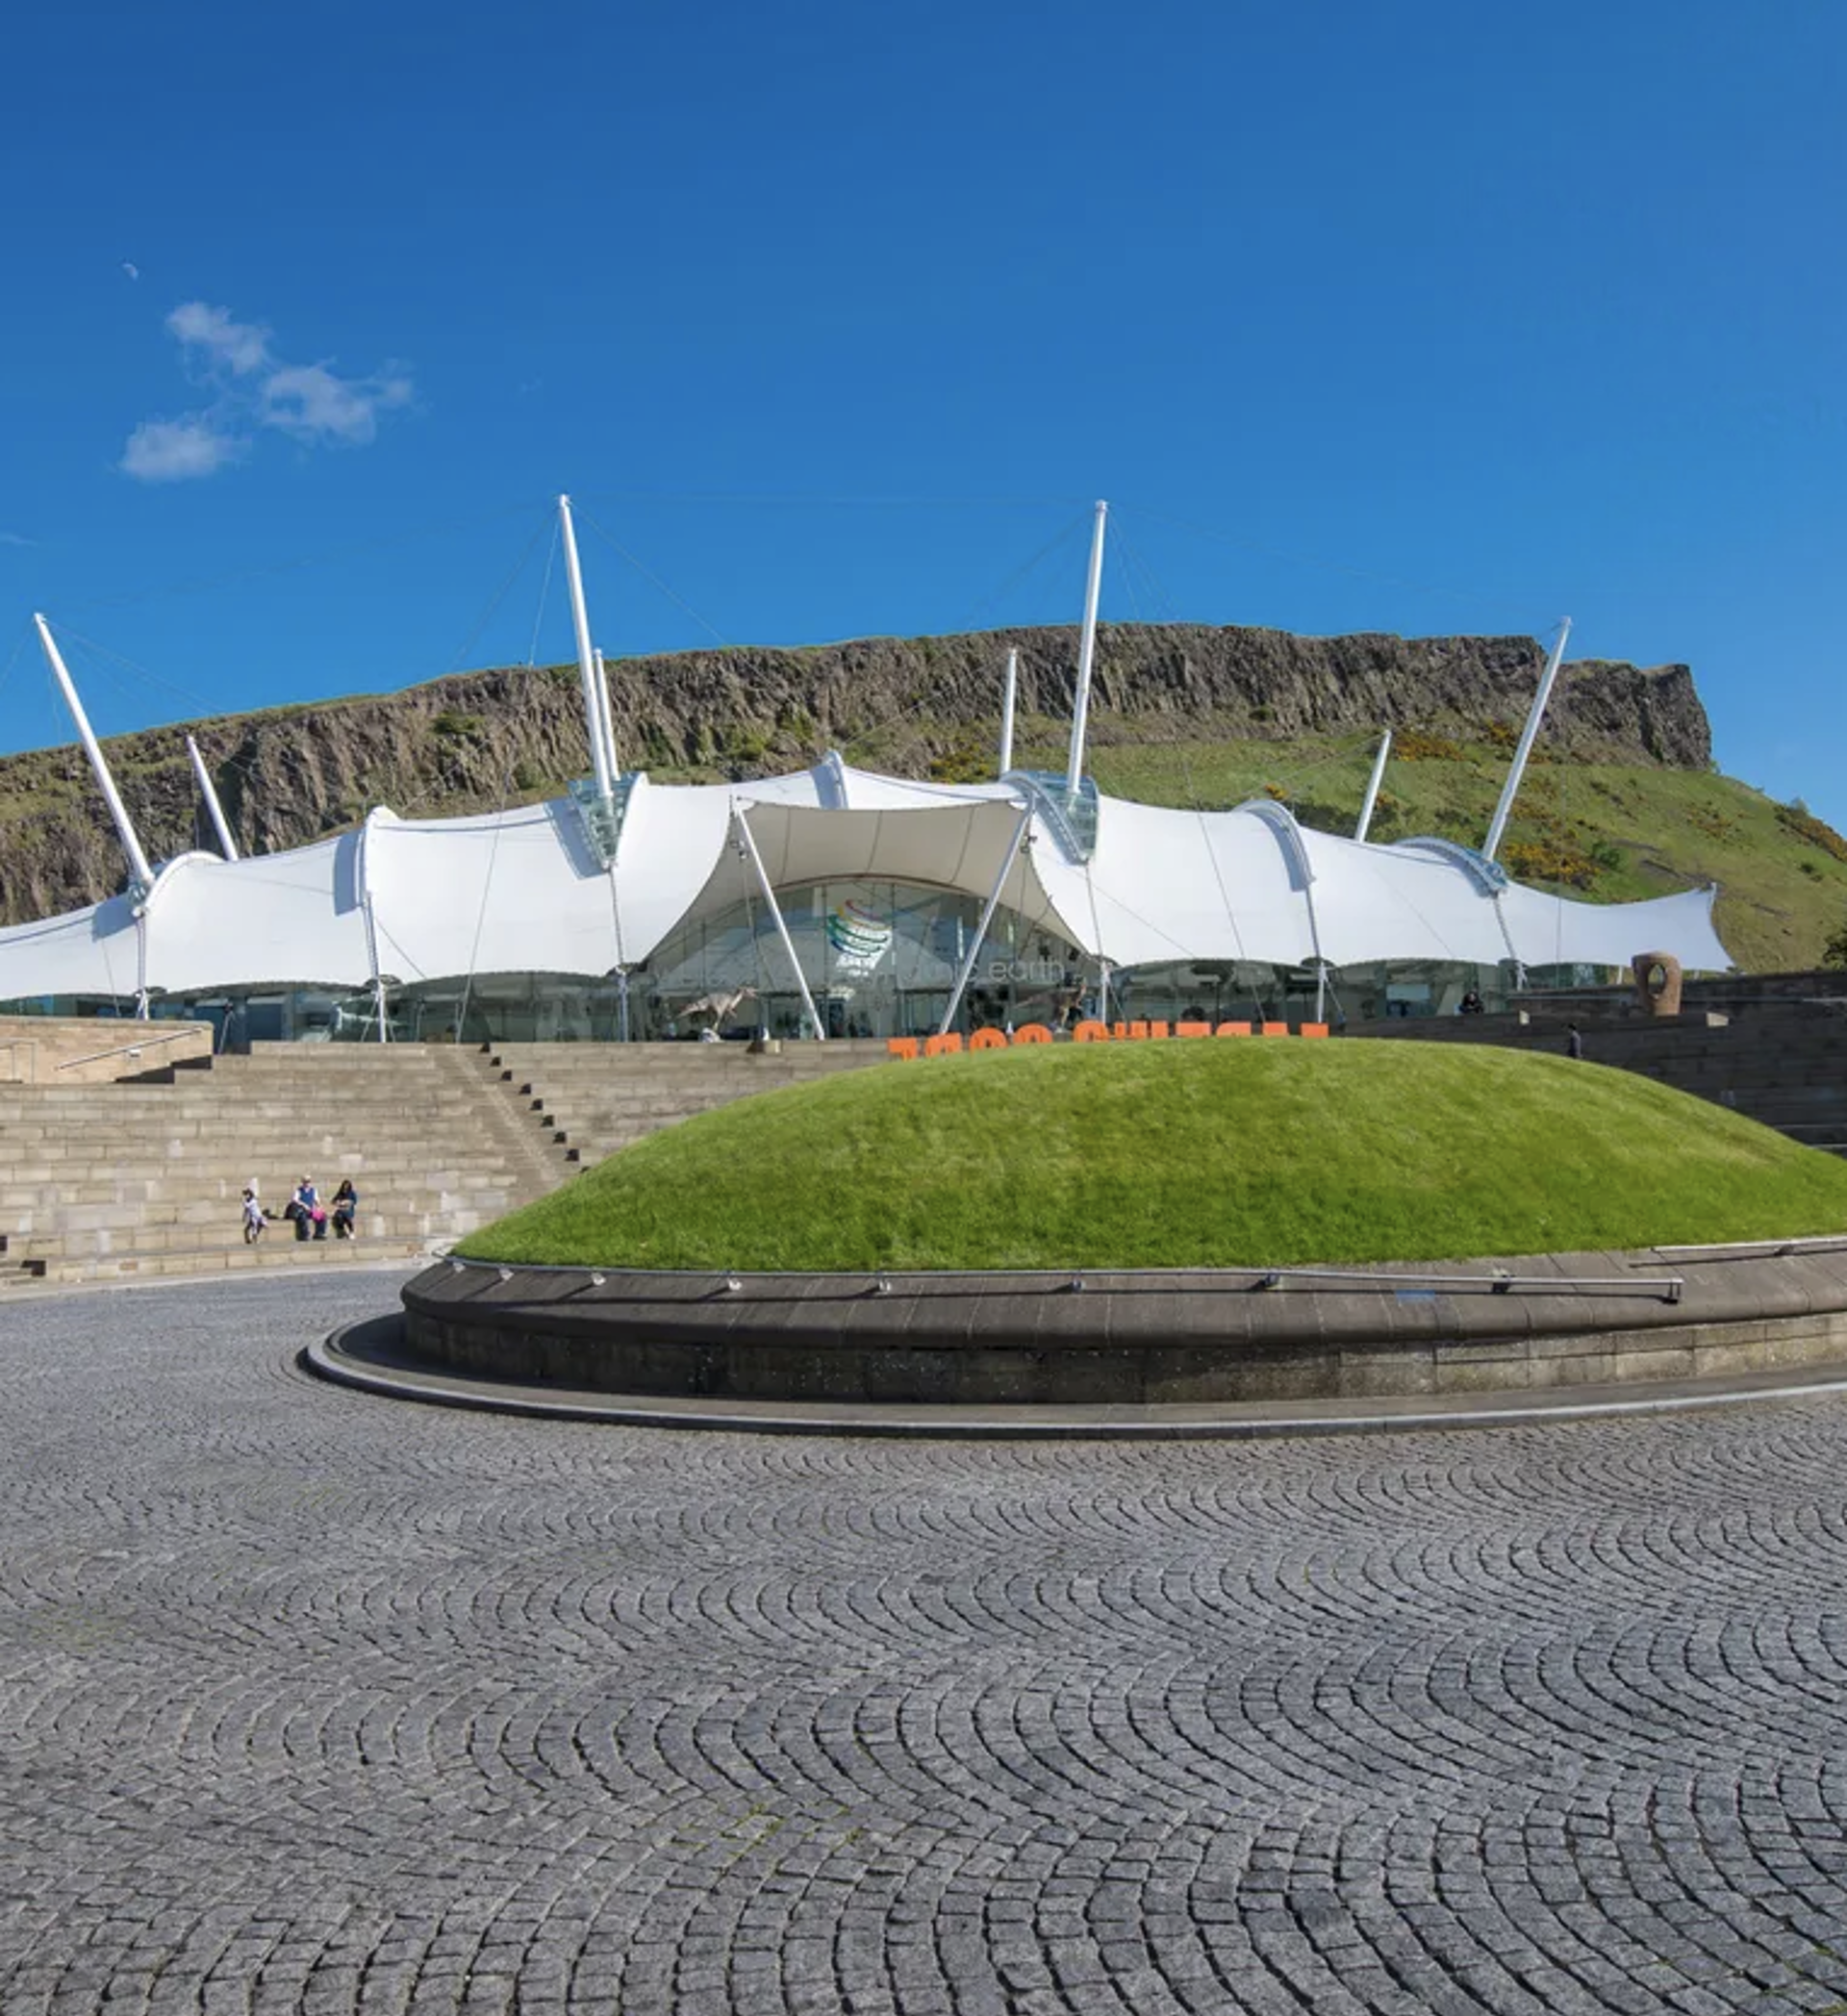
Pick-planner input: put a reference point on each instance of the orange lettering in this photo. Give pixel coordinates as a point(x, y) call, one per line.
point(1156, 1031)
point(1192, 1028)
point(1090, 1032)
point(1275, 1029)
point(942, 1045)
point(987, 1040)
point(1234, 1028)
point(900, 1045)
point(1314, 1028)
point(1138, 1032)
point(1031, 1032)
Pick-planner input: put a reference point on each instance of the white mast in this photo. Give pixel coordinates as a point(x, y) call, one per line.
point(227, 847)
point(747, 842)
point(1511, 789)
point(586, 656)
point(1086, 650)
point(1007, 700)
point(1372, 791)
point(139, 873)
point(981, 937)
point(604, 715)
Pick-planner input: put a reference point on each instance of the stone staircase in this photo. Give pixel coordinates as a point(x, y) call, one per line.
point(1781, 1062)
point(588, 1099)
point(146, 1176)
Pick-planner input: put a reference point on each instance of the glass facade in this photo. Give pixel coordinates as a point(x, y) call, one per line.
point(880, 959)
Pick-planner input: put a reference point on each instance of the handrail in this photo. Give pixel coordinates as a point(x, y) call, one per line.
point(1757, 1248)
point(1075, 1280)
point(128, 1049)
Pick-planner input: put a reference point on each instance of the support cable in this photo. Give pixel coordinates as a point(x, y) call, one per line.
point(545, 591)
point(499, 596)
point(653, 580)
point(904, 714)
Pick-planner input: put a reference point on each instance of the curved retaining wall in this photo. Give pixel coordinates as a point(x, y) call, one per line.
point(1134, 1341)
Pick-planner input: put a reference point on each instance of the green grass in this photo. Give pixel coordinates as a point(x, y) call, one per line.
point(1180, 1154)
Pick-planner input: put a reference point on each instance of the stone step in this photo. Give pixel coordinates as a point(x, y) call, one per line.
point(152, 1236)
point(109, 1179)
point(210, 1259)
point(47, 1219)
point(32, 1107)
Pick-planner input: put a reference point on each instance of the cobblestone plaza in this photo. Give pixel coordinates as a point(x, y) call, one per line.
point(318, 1701)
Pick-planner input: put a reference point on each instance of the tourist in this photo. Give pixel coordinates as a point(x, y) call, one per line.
point(345, 1208)
point(1470, 1003)
point(254, 1226)
point(305, 1208)
point(1574, 1042)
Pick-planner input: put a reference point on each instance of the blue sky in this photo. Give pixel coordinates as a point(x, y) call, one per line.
point(1426, 318)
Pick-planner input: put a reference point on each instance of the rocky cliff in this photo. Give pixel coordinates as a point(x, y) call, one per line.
point(917, 706)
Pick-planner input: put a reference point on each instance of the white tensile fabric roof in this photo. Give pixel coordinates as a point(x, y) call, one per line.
point(522, 892)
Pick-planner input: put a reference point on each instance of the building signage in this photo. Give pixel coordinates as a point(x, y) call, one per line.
point(859, 937)
point(946, 1045)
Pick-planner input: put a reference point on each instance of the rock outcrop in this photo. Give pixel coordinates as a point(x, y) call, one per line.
point(481, 739)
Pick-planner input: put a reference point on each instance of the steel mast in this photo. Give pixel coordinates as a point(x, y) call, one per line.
point(227, 847)
point(1008, 698)
point(1372, 790)
point(139, 873)
point(586, 655)
point(1086, 652)
point(1511, 789)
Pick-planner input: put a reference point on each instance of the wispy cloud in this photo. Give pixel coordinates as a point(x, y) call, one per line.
point(309, 403)
point(211, 334)
point(253, 391)
point(16, 539)
point(168, 451)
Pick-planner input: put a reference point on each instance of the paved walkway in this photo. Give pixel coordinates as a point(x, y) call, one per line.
point(313, 1701)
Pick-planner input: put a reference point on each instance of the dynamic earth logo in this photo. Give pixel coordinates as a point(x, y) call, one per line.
point(860, 937)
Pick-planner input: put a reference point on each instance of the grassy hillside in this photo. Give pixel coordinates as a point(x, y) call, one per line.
point(1184, 1154)
point(1606, 832)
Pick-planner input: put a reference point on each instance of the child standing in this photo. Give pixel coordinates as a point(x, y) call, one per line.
point(253, 1224)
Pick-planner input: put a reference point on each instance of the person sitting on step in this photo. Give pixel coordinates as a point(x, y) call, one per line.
point(345, 1208)
point(306, 1209)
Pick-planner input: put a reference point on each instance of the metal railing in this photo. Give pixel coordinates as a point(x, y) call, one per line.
point(1065, 1280)
point(1756, 1248)
point(126, 1049)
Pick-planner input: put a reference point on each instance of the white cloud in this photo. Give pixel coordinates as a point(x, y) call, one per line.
point(129, 267)
point(308, 402)
point(236, 346)
point(255, 390)
point(170, 451)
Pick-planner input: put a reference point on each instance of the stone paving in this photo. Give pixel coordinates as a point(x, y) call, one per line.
point(314, 1701)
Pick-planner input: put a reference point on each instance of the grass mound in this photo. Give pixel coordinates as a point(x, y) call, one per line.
point(1183, 1155)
